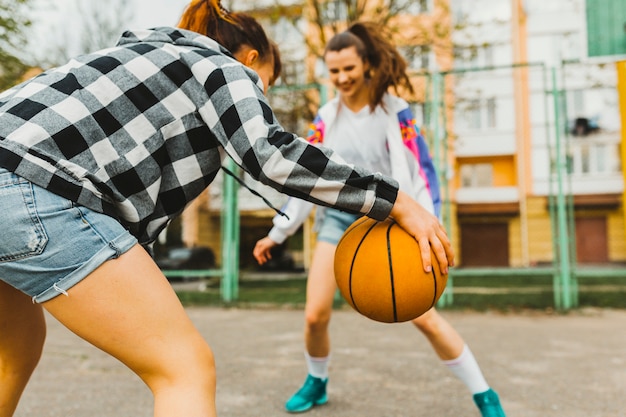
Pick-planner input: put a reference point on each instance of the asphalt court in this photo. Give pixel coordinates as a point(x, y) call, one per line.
point(542, 365)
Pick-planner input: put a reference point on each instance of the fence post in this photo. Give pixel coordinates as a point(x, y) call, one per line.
point(563, 287)
point(229, 285)
point(441, 167)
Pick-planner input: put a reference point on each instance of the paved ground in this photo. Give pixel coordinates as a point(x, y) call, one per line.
point(542, 365)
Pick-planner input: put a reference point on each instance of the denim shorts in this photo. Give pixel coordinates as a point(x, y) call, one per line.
point(48, 243)
point(333, 224)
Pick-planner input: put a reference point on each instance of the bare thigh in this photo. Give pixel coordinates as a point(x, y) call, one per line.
point(22, 335)
point(321, 285)
point(127, 308)
point(19, 317)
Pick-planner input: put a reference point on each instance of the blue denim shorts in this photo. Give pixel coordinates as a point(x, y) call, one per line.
point(48, 243)
point(333, 224)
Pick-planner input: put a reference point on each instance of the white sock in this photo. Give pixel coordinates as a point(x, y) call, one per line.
point(467, 370)
point(318, 367)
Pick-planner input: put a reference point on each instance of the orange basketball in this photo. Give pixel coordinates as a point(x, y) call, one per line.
point(379, 272)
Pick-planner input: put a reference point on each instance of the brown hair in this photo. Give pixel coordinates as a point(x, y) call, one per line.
point(232, 30)
point(387, 67)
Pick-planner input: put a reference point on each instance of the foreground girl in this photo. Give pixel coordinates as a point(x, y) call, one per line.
point(97, 156)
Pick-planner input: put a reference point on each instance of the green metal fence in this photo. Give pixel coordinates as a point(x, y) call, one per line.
point(563, 269)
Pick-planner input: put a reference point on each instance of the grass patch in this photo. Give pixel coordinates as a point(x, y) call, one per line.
point(475, 293)
point(257, 292)
point(503, 302)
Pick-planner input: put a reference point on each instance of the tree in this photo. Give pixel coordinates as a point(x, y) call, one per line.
point(13, 23)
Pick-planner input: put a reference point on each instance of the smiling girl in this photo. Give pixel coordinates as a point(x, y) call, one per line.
point(371, 128)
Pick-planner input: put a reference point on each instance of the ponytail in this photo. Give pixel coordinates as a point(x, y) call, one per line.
point(232, 30)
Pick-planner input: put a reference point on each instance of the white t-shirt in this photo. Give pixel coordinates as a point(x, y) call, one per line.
point(360, 138)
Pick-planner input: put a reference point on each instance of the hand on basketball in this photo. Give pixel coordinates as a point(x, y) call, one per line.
point(426, 229)
point(262, 250)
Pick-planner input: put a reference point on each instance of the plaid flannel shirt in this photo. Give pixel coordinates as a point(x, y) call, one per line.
point(137, 131)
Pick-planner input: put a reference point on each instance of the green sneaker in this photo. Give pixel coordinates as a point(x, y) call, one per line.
point(313, 392)
point(489, 404)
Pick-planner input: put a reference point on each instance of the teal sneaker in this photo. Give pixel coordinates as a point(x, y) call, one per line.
point(313, 392)
point(489, 404)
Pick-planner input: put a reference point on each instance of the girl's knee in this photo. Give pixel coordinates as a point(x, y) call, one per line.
point(185, 364)
point(197, 358)
point(317, 321)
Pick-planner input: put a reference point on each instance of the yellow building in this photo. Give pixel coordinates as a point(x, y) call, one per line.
point(536, 149)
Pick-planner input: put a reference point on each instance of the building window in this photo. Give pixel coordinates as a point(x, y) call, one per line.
point(476, 175)
point(472, 114)
point(576, 102)
point(477, 114)
point(586, 157)
point(491, 112)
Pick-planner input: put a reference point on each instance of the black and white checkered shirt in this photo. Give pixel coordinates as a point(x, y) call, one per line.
point(139, 130)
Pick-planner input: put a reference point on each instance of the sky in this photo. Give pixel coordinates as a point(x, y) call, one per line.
point(152, 13)
point(147, 12)
point(55, 19)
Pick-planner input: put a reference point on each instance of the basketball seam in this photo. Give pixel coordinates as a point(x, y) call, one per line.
point(356, 251)
point(432, 272)
point(391, 278)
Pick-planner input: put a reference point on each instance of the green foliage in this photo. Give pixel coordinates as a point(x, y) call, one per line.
point(13, 25)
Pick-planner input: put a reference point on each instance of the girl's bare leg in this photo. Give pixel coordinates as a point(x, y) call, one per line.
point(320, 292)
point(445, 340)
point(22, 335)
point(127, 308)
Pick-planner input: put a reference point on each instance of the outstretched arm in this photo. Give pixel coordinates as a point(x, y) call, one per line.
point(296, 211)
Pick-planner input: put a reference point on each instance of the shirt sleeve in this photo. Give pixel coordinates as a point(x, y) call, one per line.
point(297, 210)
point(244, 124)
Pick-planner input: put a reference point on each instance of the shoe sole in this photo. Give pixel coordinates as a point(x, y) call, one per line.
point(302, 410)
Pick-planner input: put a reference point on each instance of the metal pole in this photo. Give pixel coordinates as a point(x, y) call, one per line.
point(446, 298)
point(569, 199)
point(229, 285)
point(444, 167)
point(551, 194)
point(562, 295)
point(323, 89)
